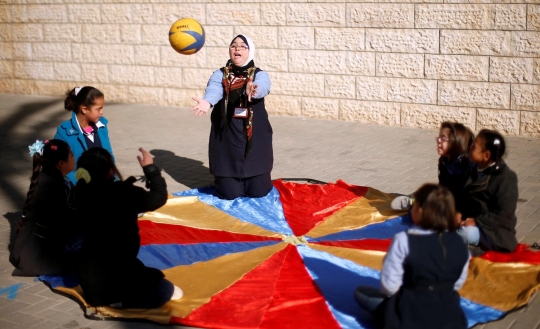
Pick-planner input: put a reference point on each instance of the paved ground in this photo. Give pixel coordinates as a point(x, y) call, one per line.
point(386, 158)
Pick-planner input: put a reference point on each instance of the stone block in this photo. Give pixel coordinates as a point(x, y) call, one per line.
point(316, 14)
point(229, 14)
point(169, 77)
point(271, 60)
point(84, 13)
point(273, 14)
point(431, 116)
point(296, 37)
point(474, 94)
point(49, 88)
point(526, 97)
point(103, 54)
point(145, 95)
point(476, 42)
point(101, 33)
point(7, 86)
point(181, 97)
point(339, 38)
point(296, 84)
point(26, 32)
point(530, 124)
point(67, 71)
point(155, 34)
point(6, 69)
point(142, 13)
point(396, 90)
point(168, 13)
point(526, 43)
point(400, 65)
point(403, 40)
point(219, 36)
point(196, 78)
point(116, 13)
point(130, 34)
point(62, 33)
point(457, 67)
point(46, 13)
point(382, 113)
point(6, 32)
point(320, 108)
point(283, 105)
point(22, 51)
point(132, 75)
point(51, 51)
point(262, 36)
point(95, 73)
point(5, 14)
point(450, 16)
point(533, 17)
point(340, 86)
point(147, 55)
point(511, 69)
point(361, 63)
point(382, 15)
point(114, 93)
point(536, 70)
point(509, 17)
point(18, 14)
point(6, 50)
point(33, 70)
point(317, 61)
point(216, 57)
point(504, 121)
point(169, 57)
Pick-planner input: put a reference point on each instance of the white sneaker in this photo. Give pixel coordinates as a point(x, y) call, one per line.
point(177, 294)
point(401, 202)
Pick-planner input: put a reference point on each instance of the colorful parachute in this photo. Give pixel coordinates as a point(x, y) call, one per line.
point(292, 260)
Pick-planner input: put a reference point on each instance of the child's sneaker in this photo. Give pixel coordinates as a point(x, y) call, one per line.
point(401, 202)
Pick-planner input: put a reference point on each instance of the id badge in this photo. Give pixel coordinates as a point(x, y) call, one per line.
point(240, 112)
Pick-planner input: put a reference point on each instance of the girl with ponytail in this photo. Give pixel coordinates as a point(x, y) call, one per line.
point(48, 224)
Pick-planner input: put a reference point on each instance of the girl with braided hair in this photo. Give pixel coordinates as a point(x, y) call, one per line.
point(48, 225)
point(240, 144)
point(491, 193)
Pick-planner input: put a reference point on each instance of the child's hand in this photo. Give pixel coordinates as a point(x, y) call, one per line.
point(146, 158)
point(468, 222)
point(203, 106)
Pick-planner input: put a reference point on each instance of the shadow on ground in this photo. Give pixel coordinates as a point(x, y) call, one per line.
point(185, 171)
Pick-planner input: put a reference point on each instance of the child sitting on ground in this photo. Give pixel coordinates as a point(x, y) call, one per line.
point(109, 272)
point(489, 219)
point(423, 269)
point(87, 127)
point(454, 144)
point(48, 224)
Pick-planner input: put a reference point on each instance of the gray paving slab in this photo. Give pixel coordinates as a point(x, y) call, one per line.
point(391, 159)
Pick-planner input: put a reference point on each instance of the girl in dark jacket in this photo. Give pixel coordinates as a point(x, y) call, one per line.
point(423, 269)
point(110, 272)
point(491, 197)
point(48, 223)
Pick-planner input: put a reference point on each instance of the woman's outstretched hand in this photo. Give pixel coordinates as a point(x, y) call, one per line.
point(146, 158)
point(203, 106)
point(251, 90)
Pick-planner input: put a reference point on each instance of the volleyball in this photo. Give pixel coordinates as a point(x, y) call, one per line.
point(186, 36)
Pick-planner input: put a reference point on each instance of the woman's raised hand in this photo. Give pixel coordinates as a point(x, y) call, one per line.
point(203, 106)
point(146, 158)
point(251, 89)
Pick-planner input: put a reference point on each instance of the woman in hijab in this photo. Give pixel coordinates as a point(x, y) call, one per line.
point(240, 147)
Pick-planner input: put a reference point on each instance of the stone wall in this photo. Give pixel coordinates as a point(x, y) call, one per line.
point(404, 63)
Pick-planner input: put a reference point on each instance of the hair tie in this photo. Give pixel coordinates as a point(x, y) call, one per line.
point(496, 141)
point(83, 174)
point(77, 89)
point(37, 147)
